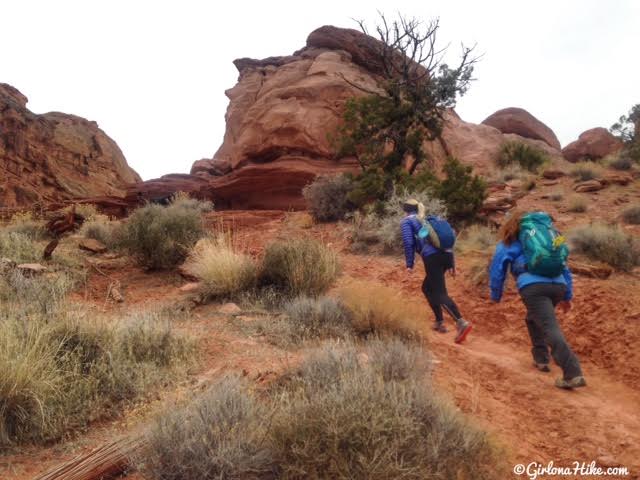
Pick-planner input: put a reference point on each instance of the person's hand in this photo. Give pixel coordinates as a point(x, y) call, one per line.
point(454, 272)
point(409, 271)
point(565, 306)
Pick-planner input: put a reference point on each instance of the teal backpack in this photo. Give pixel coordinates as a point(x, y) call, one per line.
point(544, 248)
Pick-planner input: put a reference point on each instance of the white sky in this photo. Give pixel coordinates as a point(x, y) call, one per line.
point(153, 73)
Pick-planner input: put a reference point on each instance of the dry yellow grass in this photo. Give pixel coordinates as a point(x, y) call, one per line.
point(379, 309)
point(221, 270)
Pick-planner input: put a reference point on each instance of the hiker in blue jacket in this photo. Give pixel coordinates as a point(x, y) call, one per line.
point(436, 263)
point(540, 295)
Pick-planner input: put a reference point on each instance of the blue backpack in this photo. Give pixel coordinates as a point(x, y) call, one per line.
point(438, 231)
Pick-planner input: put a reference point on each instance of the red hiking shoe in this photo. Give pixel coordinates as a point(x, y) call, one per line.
point(463, 330)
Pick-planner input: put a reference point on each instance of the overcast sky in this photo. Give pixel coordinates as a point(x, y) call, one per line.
point(153, 73)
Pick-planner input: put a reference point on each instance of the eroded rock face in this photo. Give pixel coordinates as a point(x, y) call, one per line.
point(283, 111)
point(592, 145)
point(522, 123)
point(55, 156)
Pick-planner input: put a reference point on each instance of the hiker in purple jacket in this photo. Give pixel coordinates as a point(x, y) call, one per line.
point(436, 263)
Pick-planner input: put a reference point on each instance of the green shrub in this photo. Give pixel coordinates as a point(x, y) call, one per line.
point(383, 227)
point(316, 318)
point(621, 162)
point(19, 247)
point(160, 237)
point(607, 244)
point(104, 230)
point(344, 413)
point(527, 156)
point(583, 171)
point(221, 271)
point(577, 204)
point(462, 193)
point(62, 371)
point(300, 266)
point(631, 215)
point(327, 198)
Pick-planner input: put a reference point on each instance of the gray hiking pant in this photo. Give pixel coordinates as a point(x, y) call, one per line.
point(544, 330)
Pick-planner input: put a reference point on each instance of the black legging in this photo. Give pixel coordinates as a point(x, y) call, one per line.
point(434, 286)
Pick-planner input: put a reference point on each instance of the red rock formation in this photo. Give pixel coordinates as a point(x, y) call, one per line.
point(521, 122)
point(283, 111)
point(54, 156)
point(592, 145)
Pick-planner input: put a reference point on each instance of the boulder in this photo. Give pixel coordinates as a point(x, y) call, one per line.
point(588, 186)
point(592, 145)
point(498, 202)
point(553, 174)
point(55, 156)
point(522, 123)
point(600, 270)
point(617, 179)
point(92, 245)
point(229, 309)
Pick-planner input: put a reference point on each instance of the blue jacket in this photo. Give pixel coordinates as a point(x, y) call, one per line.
point(410, 226)
point(513, 256)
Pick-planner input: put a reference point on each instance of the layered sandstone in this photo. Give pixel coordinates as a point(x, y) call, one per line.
point(284, 110)
point(55, 156)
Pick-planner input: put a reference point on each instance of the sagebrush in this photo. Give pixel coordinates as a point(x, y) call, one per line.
point(301, 266)
point(327, 197)
point(607, 243)
point(346, 412)
point(161, 237)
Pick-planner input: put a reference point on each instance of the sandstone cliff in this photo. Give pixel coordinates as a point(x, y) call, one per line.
point(283, 111)
point(55, 156)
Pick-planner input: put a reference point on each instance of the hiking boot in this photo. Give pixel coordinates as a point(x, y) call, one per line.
point(543, 367)
point(439, 327)
point(464, 328)
point(572, 383)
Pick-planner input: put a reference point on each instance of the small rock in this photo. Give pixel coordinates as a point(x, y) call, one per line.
point(600, 271)
point(618, 179)
point(498, 202)
point(588, 186)
point(115, 294)
point(229, 309)
point(30, 269)
point(190, 287)
point(92, 245)
point(550, 183)
point(553, 174)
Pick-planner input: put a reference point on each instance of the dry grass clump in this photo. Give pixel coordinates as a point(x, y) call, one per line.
point(107, 232)
point(477, 244)
point(64, 369)
point(631, 215)
point(221, 270)
point(577, 204)
point(327, 198)
point(314, 318)
point(19, 247)
point(300, 266)
point(583, 171)
point(375, 308)
point(608, 244)
point(345, 413)
point(27, 224)
point(161, 237)
point(556, 196)
point(621, 162)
